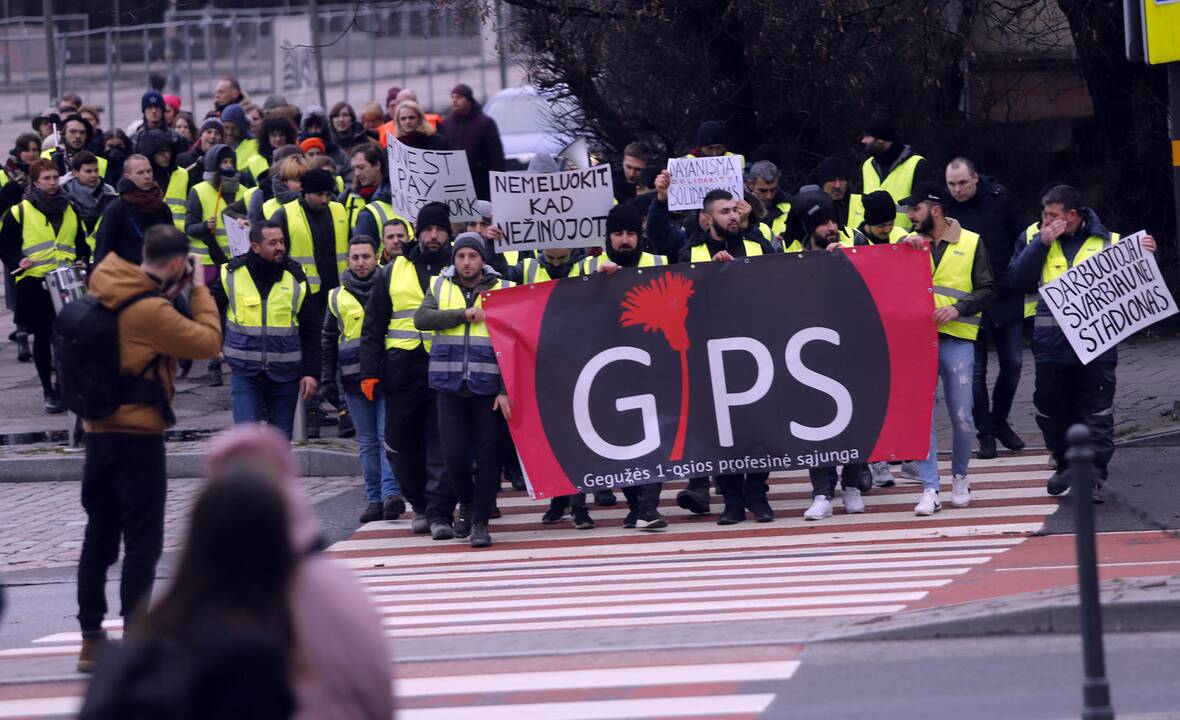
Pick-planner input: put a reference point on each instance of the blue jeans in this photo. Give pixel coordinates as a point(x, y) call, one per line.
point(369, 418)
point(956, 364)
point(1009, 341)
point(260, 399)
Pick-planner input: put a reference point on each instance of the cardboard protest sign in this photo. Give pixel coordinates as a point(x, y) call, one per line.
point(1109, 297)
point(417, 177)
point(694, 178)
point(552, 210)
point(237, 232)
point(671, 375)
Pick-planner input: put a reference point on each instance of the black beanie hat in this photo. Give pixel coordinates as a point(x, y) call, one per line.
point(317, 181)
point(151, 98)
point(882, 127)
point(831, 168)
point(879, 208)
point(817, 212)
point(465, 90)
point(623, 217)
point(468, 240)
point(433, 213)
point(711, 132)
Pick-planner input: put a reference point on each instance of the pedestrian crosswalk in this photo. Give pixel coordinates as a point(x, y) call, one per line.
point(502, 612)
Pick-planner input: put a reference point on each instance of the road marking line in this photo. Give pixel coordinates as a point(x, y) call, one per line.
point(1101, 564)
point(719, 705)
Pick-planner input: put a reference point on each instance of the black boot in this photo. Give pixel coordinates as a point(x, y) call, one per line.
point(987, 447)
point(393, 507)
point(53, 404)
point(556, 511)
point(1059, 483)
point(760, 507)
point(462, 526)
point(604, 498)
point(695, 498)
point(185, 366)
point(733, 514)
point(23, 354)
point(515, 477)
point(344, 426)
point(1008, 438)
point(373, 511)
point(314, 420)
point(213, 375)
point(480, 538)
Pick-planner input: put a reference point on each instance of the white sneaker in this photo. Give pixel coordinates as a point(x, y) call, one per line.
point(960, 491)
point(882, 475)
point(929, 503)
point(910, 470)
point(821, 507)
point(853, 503)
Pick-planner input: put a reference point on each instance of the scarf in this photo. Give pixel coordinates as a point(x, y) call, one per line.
point(53, 206)
point(358, 287)
point(367, 192)
point(85, 200)
point(144, 201)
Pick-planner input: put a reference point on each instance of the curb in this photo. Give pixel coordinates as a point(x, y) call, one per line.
point(1154, 606)
point(67, 466)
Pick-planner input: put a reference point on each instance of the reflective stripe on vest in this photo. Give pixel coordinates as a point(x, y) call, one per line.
point(462, 355)
point(383, 212)
point(303, 247)
point(262, 333)
point(590, 265)
point(350, 317)
point(700, 253)
point(48, 250)
point(175, 195)
point(211, 198)
point(952, 282)
point(898, 183)
point(405, 296)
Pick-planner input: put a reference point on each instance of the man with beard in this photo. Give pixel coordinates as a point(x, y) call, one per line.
point(76, 133)
point(963, 288)
point(369, 202)
point(832, 177)
point(238, 136)
point(340, 342)
point(892, 166)
point(877, 223)
point(394, 355)
point(156, 146)
point(272, 334)
point(87, 192)
point(636, 156)
point(139, 206)
point(40, 234)
point(466, 377)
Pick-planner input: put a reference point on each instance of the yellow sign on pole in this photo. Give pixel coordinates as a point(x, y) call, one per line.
point(1161, 31)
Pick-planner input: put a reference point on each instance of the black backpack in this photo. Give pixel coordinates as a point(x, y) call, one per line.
point(86, 352)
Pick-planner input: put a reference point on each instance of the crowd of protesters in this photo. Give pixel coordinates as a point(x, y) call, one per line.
point(342, 302)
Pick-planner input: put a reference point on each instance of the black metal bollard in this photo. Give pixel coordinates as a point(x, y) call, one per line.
point(1095, 687)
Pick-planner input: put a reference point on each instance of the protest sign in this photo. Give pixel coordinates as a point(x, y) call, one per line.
point(237, 232)
point(673, 376)
point(552, 210)
point(1108, 297)
point(417, 177)
point(693, 178)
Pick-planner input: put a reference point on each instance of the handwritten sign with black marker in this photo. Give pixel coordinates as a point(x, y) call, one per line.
point(417, 177)
point(552, 210)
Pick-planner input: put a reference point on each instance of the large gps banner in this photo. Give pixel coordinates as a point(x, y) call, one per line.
point(762, 364)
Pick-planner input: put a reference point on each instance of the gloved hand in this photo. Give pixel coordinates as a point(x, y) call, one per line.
point(369, 388)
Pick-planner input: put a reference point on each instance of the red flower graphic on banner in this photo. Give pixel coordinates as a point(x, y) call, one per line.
point(662, 306)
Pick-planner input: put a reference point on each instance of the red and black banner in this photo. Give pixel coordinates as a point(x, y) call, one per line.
point(771, 363)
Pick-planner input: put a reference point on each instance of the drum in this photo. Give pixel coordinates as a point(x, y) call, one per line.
point(65, 285)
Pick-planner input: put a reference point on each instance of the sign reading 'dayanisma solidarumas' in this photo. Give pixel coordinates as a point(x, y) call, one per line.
point(1110, 296)
point(693, 178)
point(673, 376)
point(552, 210)
point(418, 176)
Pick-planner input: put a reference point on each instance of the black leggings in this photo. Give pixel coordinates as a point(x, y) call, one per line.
point(43, 358)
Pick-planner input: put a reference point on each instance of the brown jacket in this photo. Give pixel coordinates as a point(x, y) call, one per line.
point(149, 328)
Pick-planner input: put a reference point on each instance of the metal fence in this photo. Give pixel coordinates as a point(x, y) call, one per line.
point(363, 51)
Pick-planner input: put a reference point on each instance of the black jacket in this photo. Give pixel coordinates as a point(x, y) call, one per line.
point(397, 369)
point(323, 241)
point(264, 276)
point(476, 133)
point(994, 216)
point(123, 228)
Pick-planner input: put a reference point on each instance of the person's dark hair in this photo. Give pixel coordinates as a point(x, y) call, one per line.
point(715, 195)
point(395, 221)
point(192, 122)
point(342, 105)
point(38, 166)
point(638, 150)
point(23, 140)
point(116, 134)
point(363, 240)
point(233, 83)
point(281, 124)
point(237, 563)
point(71, 98)
point(757, 209)
point(85, 157)
point(373, 154)
point(1066, 196)
point(963, 162)
point(257, 228)
point(164, 242)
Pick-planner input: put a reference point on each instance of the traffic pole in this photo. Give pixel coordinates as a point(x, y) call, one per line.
point(1095, 687)
point(50, 49)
